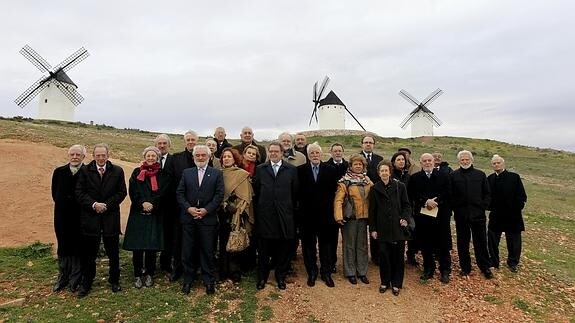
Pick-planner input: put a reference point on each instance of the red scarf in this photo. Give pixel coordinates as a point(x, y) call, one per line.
point(250, 167)
point(149, 171)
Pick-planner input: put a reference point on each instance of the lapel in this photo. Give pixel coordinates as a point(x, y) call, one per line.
point(207, 175)
point(270, 169)
point(194, 177)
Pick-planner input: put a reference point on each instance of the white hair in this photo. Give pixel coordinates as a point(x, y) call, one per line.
point(425, 154)
point(199, 147)
point(314, 146)
point(163, 136)
point(283, 134)
point(497, 157)
point(464, 152)
point(80, 147)
point(102, 145)
point(191, 133)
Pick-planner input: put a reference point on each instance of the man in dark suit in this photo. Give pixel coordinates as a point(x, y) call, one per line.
point(275, 187)
point(163, 143)
point(247, 138)
point(368, 144)
point(200, 193)
point(100, 189)
point(318, 183)
point(67, 219)
point(221, 141)
point(341, 165)
point(508, 198)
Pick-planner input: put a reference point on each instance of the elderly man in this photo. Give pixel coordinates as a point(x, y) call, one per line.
point(469, 200)
point(507, 200)
point(200, 193)
point(275, 188)
point(290, 155)
point(318, 183)
point(429, 190)
point(301, 143)
point(67, 219)
point(440, 165)
point(100, 189)
point(247, 138)
point(222, 142)
point(336, 151)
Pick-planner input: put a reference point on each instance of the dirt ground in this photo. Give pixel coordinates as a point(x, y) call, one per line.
point(26, 212)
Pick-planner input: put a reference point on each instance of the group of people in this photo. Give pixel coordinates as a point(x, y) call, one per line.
point(187, 206)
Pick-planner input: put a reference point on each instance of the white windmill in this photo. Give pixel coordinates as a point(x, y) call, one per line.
point(422, 119)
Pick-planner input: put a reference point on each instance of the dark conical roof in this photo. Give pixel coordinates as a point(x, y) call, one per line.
point(330, 99)
point(63, 77)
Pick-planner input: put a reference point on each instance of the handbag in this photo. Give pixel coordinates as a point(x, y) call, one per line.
point(238, 241)
point(348, 208)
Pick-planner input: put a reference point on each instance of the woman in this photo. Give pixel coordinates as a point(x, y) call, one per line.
point(235, 208)
point(354, 186)
point(144, 231)
point(251, 158)
point(389, 212)
point(213, 146)
point(400, 169)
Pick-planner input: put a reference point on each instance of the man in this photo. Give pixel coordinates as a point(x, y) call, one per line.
point(220, 138)
point(247, 138)
point(440, 165)
point(200, 193)
point(367, 144)
point(301, 143)
point(469, 200)
point(179, 162)
point(290, 155)
point(429, 190)
point(507, 200)
point(413, 165)
point(67, 219)
point(318, 183)
point(275, 188)
point(100, 190)
point(336, 150)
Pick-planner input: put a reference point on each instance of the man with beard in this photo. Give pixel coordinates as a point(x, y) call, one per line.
point(247, 138)
point(301, 144)
point(290, 155)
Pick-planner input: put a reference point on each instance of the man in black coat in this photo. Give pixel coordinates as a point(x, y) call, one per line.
point(200, 193)
point(508, 198)
point(318, 183)
point(469, 199)
point(429, 189)
point(100, 189)
point(67, 219)
point(275, 187)
point(221, 141)
point(300, 143)
point(247, 138)
point(341, 165)
point(373, 159)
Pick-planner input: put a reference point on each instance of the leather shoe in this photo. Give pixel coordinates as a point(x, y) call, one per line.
point(488, 274)
point(59, 285)
point(352, 280)
point(464, 273)
point(186, 287)
point(116, 287)
point(444, 278)
point(282, 284)
point(138, 282)
point(395, 291)
point(210, 289)
point(364, 279)
point(382, 288)
point(328, 281)
point(261, 285)
point(311, 280)
point(83, 291)
point(148, 281)
point(513, 268)
point(426, 275)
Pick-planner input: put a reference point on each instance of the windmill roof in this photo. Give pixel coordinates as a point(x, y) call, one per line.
point(422, 108)
point(330, 99)
point(63, 77)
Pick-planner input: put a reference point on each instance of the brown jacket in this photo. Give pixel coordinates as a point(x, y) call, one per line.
point(361, 204)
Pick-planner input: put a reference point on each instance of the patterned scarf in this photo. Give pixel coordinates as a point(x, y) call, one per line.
point(149, 171)
point(352, 178)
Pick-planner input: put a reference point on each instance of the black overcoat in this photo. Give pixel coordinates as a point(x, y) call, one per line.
point(66, 211)
point(110, 189)
point(388, 204)
point(421, 188)
point(316, 197)
point(469, 194)
point(508, 198)
point(341, 168)
point(372, 166)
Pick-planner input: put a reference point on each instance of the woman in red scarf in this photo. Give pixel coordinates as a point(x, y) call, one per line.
point(144, 231)
point(251, 158)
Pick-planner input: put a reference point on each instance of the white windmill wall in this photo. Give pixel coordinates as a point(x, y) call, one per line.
point(421, 125)
point(331, 117)
point(54, 105)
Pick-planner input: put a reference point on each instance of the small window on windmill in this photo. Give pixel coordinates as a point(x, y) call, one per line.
point(45, 100)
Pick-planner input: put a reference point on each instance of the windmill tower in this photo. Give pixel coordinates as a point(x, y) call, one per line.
point(58, 95)
point(330, 111)
point(422, 119)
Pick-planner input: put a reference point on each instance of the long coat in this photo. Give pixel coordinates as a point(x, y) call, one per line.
point(275, 201)
point(508, 198)
point(388, 204)
point(66, 211)
point(316, 197)
point(145, 231)
point(341, 168)
point(110, 189)
point(421, 188)
point(372, 166)
point(208, 195)
point(360, 200)
point(469, 194)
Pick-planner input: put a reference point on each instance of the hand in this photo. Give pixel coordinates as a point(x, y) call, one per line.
point(147, 207)
point(341, 222)
point(403, 222)
point(100, 207)
point(374, 235)
point(431, 204)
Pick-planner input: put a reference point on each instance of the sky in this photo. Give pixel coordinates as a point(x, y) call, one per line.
point(506, 67)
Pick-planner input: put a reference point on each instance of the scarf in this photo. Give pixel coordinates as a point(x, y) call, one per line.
point(237, 182)
point(289, 153)
point(355, 179)
point(250, 167)
point(149, 171)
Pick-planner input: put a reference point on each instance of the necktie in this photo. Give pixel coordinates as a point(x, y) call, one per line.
point(369, 158)
point(275, 167)
point(101, 171)
point(315, 172)
point(200, 175)
point(162, 161)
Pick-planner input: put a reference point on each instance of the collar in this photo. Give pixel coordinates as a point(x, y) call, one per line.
point(279, 163)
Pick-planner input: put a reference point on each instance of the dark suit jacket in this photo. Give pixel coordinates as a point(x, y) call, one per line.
point(111, 189)
point(372, 167)
point(507, 200)
point(66, 211)
point(421, 188)
point(316, 197)
point(209, 195)
point(340, 168)
point(469, 196)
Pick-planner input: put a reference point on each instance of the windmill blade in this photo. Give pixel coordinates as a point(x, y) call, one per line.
point(315, 99)
point(409, 98)
point(430, 98)
point(32, 91)
point(322, 88)
point(69, 92)
point(434, 119)
point(73, 60)
point(36, 59)
point(407, 120)
point(354, 118)
point(313, 113)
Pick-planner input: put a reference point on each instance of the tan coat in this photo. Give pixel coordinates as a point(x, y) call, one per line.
point(361, 204)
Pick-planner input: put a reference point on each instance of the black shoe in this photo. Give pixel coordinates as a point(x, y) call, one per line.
point(311, 280)
point(427, 274)
point(444, 278)
point(138, 282)
point(364, 279)
point(513, 268)
point(464, 273)
point(236, 277)
point(59, 285)
point(261, 285)
point(382, 288)
point(352, 280)
point(333, 270)
point(83, 291)
point(395, 291)
point(282, 284)
point(488, 274)
point(116, 287)
point(175, 276)
point(74, 287)
point(328, 280)
point(210, 289)
point(186, 287)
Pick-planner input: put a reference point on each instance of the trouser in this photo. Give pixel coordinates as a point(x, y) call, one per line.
point(415, 244)
point(69, 271)
point(354, 238)
point(435, 237)
point(177, 266)
point(201, 239)
point(391, 264)
point(314, 239)
point(334, 240)
point(229, 262)
point(167, 254)
point(465, 230)
point(513, 240)
point(91, 246)
point(144, 262)
point(274, 251)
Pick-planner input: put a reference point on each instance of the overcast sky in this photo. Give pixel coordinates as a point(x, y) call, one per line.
point(506, 67)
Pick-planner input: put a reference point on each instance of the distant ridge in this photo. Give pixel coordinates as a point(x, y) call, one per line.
point(336, 132)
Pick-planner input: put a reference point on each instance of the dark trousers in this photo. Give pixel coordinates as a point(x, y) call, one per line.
point(276, 251)
point(141, 258)
point(415, 244)
point(435, 237)
point(91, 245)
point(229, 262)
point(199, 239)
point(177, 266)
point(168, 253)
point(465, 230)
point(391, 264)
point(513, 240)
point(312, 238)
point(334, 241)
point(69, 271)
point(374, 250)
